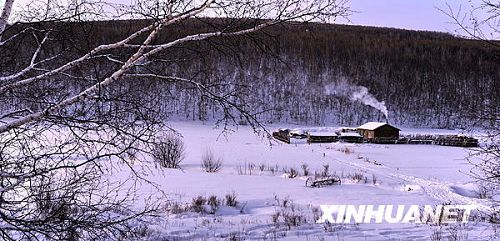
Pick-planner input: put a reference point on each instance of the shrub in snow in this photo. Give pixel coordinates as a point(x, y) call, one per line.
point(292, 173)
point(273, 169)
point(326, 171)
point(231, 200)
point(374, 179)
point(250, 167)
point(357, 177)
point(140, 232)
point(289, 216)
point(175, 208)
point(292, 219)
point(169, 150)
point(214, 204)
point(247, 168)
point(197, 205)
point(211, 163)
point(305, 169)
point(262, 167)
point(209, 205)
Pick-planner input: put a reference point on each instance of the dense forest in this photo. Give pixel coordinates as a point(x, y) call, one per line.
point(283, 73)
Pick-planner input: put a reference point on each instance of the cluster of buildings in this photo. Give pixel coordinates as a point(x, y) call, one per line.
point(372, 132)
point(377, 132)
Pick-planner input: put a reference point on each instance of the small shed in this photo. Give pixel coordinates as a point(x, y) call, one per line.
point(298, 133)
point(351, 137)
point(379, 132)
point(321, 137)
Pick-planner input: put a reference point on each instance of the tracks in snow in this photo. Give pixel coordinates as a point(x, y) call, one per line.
point(435, 189)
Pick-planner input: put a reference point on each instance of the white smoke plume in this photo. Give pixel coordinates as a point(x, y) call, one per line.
point(357, 93)
point(366, 98)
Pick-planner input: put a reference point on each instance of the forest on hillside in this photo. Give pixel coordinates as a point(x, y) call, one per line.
point(284, 73)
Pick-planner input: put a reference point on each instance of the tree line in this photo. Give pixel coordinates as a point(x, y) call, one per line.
point(279, 74)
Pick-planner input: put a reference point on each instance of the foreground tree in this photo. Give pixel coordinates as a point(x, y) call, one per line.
point(483, 23)
point(72, 159)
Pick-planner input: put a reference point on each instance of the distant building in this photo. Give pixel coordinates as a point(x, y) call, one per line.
point(378, 132)
point(351, 137)
point(349, 134)
point(321, 137)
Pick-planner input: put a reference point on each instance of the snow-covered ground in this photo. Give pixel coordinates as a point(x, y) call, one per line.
point(253, 169)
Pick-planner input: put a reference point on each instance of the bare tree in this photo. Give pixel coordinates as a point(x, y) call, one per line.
point(169, 150)
point(66, 156)
point(483, 23)
point(7, 9)
point(486, 160)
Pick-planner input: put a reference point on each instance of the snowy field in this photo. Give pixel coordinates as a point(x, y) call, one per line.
point(254, 169)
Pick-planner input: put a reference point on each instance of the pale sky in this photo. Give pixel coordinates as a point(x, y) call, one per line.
point(409, 14)
point(406, 14)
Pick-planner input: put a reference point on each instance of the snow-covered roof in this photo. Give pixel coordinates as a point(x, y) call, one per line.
point(354, 134)
point(372, 125)
point(297, 131)
point(323, 133)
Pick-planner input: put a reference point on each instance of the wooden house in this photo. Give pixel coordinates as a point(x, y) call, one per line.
point(379, 132)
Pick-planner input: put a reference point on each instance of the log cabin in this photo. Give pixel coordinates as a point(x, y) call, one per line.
point(379, 132)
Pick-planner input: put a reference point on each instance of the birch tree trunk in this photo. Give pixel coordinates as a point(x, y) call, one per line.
point(4, 18)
